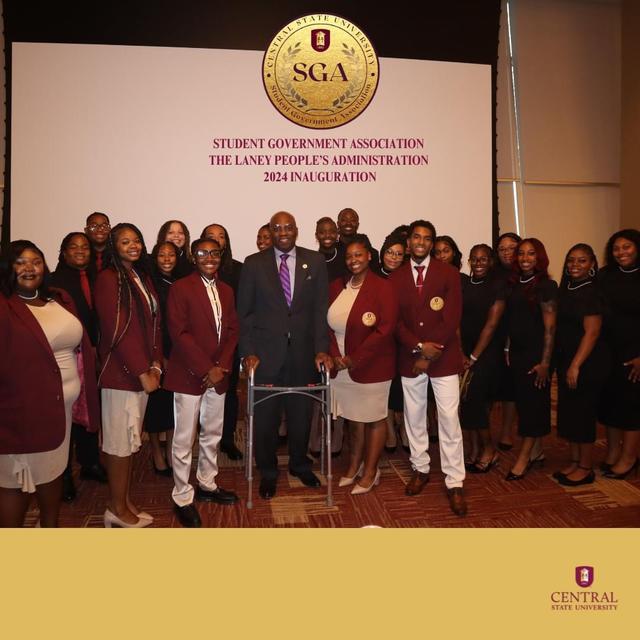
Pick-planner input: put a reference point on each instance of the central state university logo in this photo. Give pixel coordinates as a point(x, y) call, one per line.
point(320, 71)
point(584, 576)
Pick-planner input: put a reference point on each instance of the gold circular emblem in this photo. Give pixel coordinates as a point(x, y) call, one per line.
point(320, 71)
point(436, 303)
point(368, 318)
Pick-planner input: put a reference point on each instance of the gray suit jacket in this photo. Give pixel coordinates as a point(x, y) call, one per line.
point(270, 329)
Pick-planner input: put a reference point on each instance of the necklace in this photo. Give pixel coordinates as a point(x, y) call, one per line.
point(33, 297)
point(335, 253)
point(357, 286)
point(584, 284)
point(167, 281)
point(527, 280)
point(386, 273)
point(628, 270)
point(479, 282)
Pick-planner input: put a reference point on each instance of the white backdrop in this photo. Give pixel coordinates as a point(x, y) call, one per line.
point(129, 130)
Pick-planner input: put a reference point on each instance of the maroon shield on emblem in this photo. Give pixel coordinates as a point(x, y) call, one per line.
point(584, 576)
point(320, 39)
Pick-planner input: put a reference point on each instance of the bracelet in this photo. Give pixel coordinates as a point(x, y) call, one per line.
point(158, 369)
point(472, 357)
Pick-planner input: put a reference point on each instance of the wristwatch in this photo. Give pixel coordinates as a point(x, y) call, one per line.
point(417, 349)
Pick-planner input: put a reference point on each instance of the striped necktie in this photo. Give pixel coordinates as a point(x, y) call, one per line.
point(285, 278)
point(419, 279)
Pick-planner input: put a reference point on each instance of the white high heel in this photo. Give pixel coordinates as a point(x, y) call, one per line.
point(345, 481)
point(111, 520)
point(359, 489)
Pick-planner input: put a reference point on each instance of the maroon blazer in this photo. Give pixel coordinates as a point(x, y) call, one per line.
point(192, 327)
point(420, 322)
point(138, 339)
point(371, 348)
point(32, 415)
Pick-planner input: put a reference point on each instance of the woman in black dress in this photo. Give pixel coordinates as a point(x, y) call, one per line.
point(483, 304)
point(176, 232)
point(582, 362)
point(229, 273)
point(505, 249)
point(327, 237)
point(76, 275)
point(159, 414)
point(392, 255)
point(531, 322)
point(620, 409)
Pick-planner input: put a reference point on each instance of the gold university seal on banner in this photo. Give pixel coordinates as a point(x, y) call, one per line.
point(320, 71)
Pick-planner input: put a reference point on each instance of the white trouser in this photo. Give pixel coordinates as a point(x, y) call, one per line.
point(446, 390)
point(209, 410)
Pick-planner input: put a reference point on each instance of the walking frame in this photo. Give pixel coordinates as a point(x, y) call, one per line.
point(318, 392)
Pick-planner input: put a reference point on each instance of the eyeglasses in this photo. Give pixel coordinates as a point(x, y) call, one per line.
point(204, 253)
point(105, 226)
point(394, 254)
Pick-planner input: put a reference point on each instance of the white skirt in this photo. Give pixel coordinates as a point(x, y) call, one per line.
point(122, 417)
point(357, 401)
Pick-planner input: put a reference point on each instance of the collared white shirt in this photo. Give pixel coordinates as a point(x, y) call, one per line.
point(214, 299)
point(414, 272)
point(291, 263)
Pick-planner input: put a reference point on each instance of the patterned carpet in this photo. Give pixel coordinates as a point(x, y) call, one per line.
point(536, 501)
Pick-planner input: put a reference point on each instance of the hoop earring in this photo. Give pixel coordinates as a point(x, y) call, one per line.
point(566, 271)
point(592, 272)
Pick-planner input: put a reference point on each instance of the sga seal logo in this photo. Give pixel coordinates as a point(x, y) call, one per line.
point(436, 303)
point(320, 71)
point(369, 318)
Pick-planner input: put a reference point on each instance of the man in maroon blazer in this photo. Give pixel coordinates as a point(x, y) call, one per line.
point(204, 333)
point(429, 350)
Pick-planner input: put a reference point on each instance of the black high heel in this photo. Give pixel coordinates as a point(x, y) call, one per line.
point(515, 476)
point(556, 475)
point(624, 474)
point(484, 467)
point(605, 467)
point(505, 446)
point(163, 472)
point(538, 461)
point(588, 479)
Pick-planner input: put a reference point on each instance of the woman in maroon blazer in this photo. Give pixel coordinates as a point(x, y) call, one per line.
point(130, 352)
point(362, 317)
point(204, 332)
point(45, 356)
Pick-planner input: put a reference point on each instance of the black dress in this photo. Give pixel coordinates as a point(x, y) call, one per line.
point(505, 390)
point(336, 266)
point(159, 414)
point(526, 332)
point(620, 402)
point(477, 300)
point(577, 407)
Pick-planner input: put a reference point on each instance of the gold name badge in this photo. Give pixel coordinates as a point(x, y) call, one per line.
point(436, 303)
point(320, 71)
point(368, 318)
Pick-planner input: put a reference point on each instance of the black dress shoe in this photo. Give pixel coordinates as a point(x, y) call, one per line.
point(308, 478)
point(219, 495)
point(94, 472)
point(231, 450)
point(68, 488)
point(188, 516)
point(267, 488)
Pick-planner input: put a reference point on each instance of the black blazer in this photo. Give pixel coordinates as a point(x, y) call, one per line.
point(270, 329)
